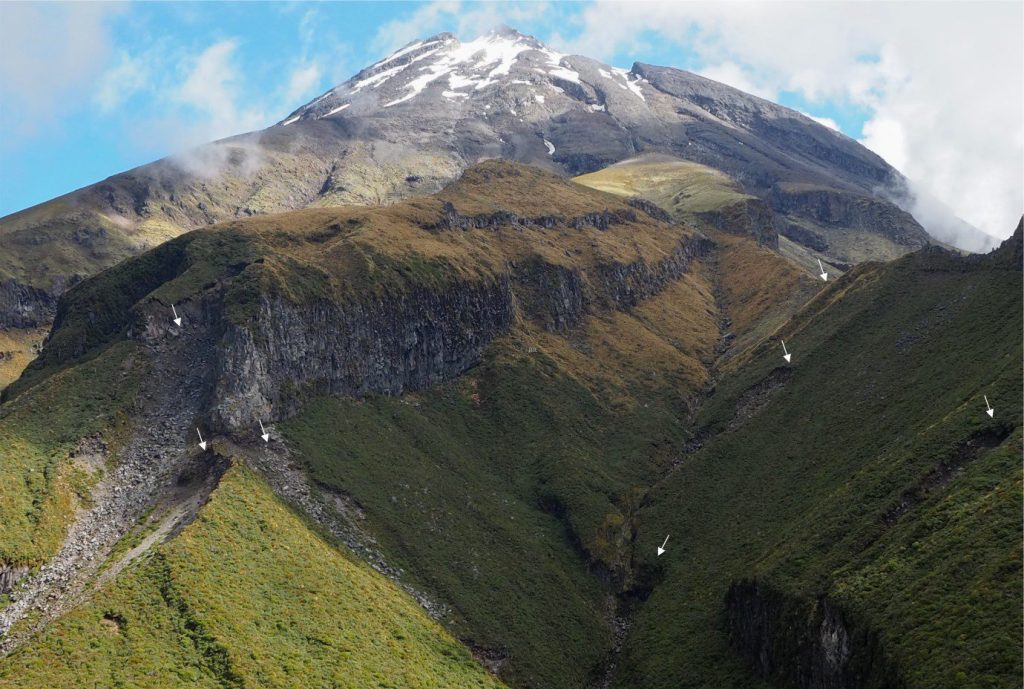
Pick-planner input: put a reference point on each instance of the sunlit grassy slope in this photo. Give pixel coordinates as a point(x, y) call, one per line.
point(885, 402)
point(41, 487)
point(18, 347)
point(526, 494)
point(759, 288)
point(681, 187)
point(509, 494)
point(246, 596)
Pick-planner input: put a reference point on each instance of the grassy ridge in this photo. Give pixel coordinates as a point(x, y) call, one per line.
point(246, 596)
point(681, 187)
point(759, 288)
point(886, 394)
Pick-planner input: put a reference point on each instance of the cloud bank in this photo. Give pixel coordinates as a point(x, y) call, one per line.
point(942, 82)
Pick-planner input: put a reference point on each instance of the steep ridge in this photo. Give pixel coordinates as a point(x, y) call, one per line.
point(521, 318)
point(854, 522)
point(414, 121)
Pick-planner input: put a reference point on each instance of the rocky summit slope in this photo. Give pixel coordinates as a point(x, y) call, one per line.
point(484, 411)
point(413, 121)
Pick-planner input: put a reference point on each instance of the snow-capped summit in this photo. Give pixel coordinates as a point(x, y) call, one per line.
point(442, 70)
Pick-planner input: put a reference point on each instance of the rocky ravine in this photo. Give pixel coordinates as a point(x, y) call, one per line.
point(148, 467)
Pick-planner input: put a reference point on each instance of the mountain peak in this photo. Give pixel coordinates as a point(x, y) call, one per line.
point(445, 67)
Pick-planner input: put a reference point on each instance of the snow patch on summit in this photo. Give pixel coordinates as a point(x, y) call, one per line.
point(461, 63)
point(633, 86)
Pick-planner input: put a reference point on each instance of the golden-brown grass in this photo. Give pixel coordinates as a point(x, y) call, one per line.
point(18, 348)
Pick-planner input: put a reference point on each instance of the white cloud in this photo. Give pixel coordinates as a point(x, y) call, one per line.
point(211, 90)
point(825, 122)
point(119, 83)
point(885, 136)
point(49, 53)
point(942, 81)
point(469, 19)
point(734, 75)
point(187, 100)
point(302, 81)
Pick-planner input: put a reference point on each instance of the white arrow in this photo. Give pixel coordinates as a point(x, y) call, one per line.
point(177, 319)
point(824, 275)
point(202, 443)
point(661, 548)
point(991, 412)
point(785, 355)
point(265, 436)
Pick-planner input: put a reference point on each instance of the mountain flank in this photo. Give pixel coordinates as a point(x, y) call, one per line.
point(488, 345)
point(412, 122)
point(486, 409)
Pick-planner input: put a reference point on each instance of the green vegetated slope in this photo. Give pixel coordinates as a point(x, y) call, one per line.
point(872, 480)
point(509, 495)
point(681, 187)
point(40, 487)
point(514, 496)
point(759, 287)
point(246, 596)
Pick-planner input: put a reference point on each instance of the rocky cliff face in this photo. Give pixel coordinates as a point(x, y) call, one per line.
point(847, 211)
point(808, 644)
point(750, 217)
point(266, 369)
point(24, 306)
point(413, 321)
point(390, 344)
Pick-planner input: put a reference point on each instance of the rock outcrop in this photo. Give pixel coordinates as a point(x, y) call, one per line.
point(751, 217)
point(851, 211)
point(809, 644)
point(24, 306)
point(289, 353)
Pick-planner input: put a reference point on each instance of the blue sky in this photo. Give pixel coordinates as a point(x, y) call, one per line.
point(87, 90)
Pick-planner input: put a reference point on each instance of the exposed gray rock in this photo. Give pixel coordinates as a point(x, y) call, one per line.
point(385, 345)
point(802, 235)
point(847, 211)
point(24, 306)
point(10, 575)
point(750, 217)
point(160, 447)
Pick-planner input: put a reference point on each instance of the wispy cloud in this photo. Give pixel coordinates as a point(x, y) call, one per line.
point(302, 80)
point(824, 121)
point(127, 77)
point(49, 54)
point(211, 90)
